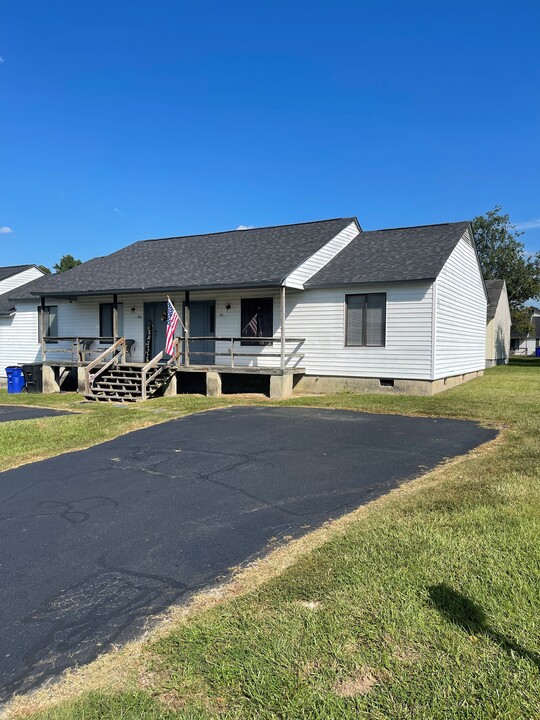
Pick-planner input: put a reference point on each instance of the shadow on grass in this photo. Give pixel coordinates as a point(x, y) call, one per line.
point(467, 615)
point(529, 361)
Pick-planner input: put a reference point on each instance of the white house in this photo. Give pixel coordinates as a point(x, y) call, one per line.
point(520, 345)
point(499, 323)
point(15, 339)
point(315, 306)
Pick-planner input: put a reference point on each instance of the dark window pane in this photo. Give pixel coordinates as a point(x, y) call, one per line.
point(366, 319)
point(375, 319)
point(355, 319)
point(257, 319)
point(52, 320)
point(106, 320)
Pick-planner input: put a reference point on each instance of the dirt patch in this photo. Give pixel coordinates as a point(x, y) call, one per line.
point(310, 604)
point(361, 683)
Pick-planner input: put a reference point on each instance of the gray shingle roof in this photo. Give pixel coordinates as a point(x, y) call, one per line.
point(7, 272)
point(238, 258)
point(6, 305)
point(494, 290)
point(412, 253)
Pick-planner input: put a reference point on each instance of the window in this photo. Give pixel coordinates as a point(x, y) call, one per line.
point(106, 320)
point(257, 319)
point(51, 321)
point(365, 320)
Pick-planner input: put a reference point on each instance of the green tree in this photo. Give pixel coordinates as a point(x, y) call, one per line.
point(44, 269)
point(66, 262)
point(521, 322)
point(502, 255)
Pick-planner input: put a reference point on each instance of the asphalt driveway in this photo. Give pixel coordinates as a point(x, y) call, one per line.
point(22, 412)
point(94, 543)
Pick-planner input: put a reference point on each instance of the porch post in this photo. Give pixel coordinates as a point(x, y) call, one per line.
point(115, 317)
point(42, 328)
point(282, 313)
point(186, 325)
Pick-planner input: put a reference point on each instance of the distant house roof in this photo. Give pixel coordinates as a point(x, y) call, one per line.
point(7, 272)
point(494, 289)
point(7, 306)
point(255, 257)
point(411, 253)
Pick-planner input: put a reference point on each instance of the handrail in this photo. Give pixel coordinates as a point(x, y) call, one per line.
point(154, 363)
point(144, 380)
point(114, 348)
point(177, 354)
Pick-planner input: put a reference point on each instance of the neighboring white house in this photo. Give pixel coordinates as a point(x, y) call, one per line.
point(520, 345)
point(17, 341)
point(398, 310)
point(499, 324)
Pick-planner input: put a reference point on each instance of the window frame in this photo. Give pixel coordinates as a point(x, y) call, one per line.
point(120, 308)
point(364, 320)
point(46, 309)
point(250, 340)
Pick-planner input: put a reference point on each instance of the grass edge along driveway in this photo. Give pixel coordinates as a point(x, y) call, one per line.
point(423, 604)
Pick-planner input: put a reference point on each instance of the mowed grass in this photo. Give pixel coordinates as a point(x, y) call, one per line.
point(425, 605)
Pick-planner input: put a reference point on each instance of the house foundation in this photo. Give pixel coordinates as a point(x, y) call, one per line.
point(213, 384)
point(327, 385)
point(50, 383)
point(172, 387)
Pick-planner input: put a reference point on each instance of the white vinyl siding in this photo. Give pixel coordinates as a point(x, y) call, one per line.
point(19, 337)
point(322, 257)
point(461, 308)
point(19, 333)
point(498, 332)
point(317, 315)
point(19, 279)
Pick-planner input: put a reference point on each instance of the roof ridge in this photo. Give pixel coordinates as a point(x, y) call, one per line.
point(414, 227)
point(262, 227)
point(11, 267)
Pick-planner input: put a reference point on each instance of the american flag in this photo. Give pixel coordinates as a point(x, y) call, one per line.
point(172, 322)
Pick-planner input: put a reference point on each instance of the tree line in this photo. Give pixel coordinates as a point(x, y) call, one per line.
point(503, 257)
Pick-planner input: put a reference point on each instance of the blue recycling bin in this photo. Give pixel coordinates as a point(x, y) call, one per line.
point(15, 379)
point(538, 352)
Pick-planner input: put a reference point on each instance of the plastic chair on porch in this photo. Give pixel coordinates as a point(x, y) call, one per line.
point(85, 346)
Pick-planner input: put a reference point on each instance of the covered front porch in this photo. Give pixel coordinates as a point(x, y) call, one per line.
point(126, 360)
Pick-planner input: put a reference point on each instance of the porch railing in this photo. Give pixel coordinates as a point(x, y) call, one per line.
point(117, 353)
point(79, 346)
point(155, 367)
point(232, 352)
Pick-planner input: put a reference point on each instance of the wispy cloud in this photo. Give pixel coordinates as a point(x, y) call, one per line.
point(244, 227)
point(533, 224)
point(5, 230)
point(1, 60)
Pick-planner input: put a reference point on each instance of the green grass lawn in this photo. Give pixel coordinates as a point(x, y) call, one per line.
point(424, 605)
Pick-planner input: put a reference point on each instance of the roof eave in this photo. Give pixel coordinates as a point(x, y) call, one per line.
point(274, 283)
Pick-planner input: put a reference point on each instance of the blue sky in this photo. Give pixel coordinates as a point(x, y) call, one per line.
point(132, 119)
